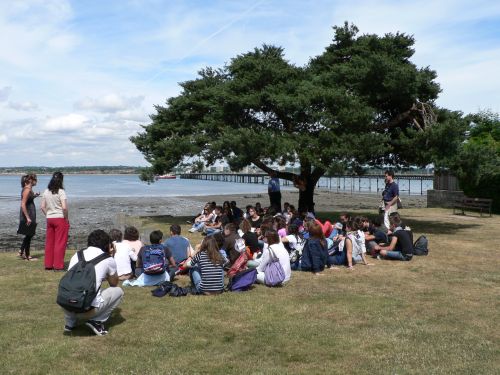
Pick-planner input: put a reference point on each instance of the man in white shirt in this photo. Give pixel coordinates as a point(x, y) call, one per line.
point(107, 300)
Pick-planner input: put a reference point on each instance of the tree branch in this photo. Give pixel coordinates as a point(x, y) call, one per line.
point(283, 175)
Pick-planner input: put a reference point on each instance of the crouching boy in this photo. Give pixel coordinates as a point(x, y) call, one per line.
point(106, 300)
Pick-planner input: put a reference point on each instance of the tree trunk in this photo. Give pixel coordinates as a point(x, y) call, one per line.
point(306, 197)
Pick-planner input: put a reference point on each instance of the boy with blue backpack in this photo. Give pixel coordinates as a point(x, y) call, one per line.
point(152, 259)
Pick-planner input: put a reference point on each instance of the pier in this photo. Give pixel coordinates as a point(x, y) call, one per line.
point(408, 184)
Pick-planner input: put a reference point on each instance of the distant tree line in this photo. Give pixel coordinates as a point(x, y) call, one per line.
point(119, 169)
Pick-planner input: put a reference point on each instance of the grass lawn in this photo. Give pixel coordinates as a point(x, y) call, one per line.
point(434, 315)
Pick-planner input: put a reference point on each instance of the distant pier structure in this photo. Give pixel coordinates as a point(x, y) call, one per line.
point(408, 184)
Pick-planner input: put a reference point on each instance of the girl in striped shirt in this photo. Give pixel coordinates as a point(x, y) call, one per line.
point(206, 271)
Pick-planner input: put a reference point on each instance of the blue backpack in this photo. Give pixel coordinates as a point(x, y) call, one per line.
point(153, 259)
point(242, 281)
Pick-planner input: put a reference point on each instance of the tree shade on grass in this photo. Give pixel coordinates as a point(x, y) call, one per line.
point(361, 102)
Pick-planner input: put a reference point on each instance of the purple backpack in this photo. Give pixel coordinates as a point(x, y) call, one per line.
point(274, 274)
point(242, 281)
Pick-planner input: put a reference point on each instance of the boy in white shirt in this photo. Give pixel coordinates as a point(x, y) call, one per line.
point(106, 300)
point(124, 253)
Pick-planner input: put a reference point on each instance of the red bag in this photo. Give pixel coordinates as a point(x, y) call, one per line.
point(239, 265)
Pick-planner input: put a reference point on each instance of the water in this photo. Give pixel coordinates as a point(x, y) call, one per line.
point(84, 185)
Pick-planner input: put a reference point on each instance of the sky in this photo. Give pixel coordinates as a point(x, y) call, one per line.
point(78, 78)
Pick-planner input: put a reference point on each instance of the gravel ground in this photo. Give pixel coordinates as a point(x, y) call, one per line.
point(106, 213)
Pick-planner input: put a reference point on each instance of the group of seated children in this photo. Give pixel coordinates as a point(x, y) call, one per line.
point(237, 240)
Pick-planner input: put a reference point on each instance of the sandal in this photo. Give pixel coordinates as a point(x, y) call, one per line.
point(30, 258)
point(20, 254)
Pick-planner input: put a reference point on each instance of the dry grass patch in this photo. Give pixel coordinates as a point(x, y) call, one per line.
point(433, 315)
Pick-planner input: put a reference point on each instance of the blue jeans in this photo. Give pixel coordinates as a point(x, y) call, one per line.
point(195, 276)
point(211, 231)
point(338, 259)
point(198, 226)
point(396, 255)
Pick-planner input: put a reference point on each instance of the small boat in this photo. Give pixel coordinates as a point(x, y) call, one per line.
point(166, 177)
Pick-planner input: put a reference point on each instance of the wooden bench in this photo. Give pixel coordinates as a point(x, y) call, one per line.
point(480, 204)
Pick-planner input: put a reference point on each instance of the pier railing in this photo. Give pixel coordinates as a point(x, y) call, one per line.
point(408, 184)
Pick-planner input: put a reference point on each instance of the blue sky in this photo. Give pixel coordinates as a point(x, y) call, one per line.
point(80, 77)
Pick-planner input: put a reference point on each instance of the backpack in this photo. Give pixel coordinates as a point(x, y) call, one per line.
point(77, 288)
point(242, 281)
point(296, 253)
point(153, 259)
point(239, 245)
point(299, 246)
point(274, 274)
point(420, 247)
point(239, 265)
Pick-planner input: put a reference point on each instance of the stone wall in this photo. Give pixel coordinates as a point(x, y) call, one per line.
point(443, 198)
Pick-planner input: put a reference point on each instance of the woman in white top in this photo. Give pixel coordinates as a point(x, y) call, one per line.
point(273, 242)
point(354, 245)
point(55, 208)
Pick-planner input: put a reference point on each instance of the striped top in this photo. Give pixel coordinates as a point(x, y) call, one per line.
point(212, 275)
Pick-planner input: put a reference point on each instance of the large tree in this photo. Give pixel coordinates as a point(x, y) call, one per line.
point(359, 103)
point(477, 162)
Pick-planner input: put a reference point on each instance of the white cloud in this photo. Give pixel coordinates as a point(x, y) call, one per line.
point(110, 103)
point(23, 106)
point(5, 93)
point(65, 123)
point(88, 98)
point(28, 41)
point(135, 115)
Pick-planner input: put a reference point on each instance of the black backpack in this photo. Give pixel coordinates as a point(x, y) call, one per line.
point(77, 288)
point(421, 246)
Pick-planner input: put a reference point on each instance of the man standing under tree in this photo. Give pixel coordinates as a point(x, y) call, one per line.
point(273, 188)
point(390, 196)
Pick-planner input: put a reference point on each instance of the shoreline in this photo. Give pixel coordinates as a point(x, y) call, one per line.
point(87, 214)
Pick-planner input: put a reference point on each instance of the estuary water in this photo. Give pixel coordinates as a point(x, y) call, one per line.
point(100, 186)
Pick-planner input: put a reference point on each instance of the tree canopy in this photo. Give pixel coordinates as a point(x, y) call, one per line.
point(477, 161)
point(361, 102)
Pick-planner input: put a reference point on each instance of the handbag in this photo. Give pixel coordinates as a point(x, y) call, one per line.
point(27, 230)
point(242, 281)
point(274, 274)
point(239, 265)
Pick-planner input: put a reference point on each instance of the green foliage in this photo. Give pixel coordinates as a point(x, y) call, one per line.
point(477, 165)
point(359, 103)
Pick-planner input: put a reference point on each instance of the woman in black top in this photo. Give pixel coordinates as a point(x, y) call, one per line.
point(255, 219)
point(27, 214)
point(251, 238)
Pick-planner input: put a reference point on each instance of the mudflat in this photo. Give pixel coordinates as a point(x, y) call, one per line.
point(87, 214)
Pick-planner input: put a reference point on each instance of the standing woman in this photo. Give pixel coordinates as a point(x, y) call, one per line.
point(27, 215)
point(55, 208)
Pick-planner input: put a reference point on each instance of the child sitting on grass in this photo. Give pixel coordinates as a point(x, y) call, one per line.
point(401, 245)
point(354, 246)
point(206, 268)
point(151, 267)
point(124, 254)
